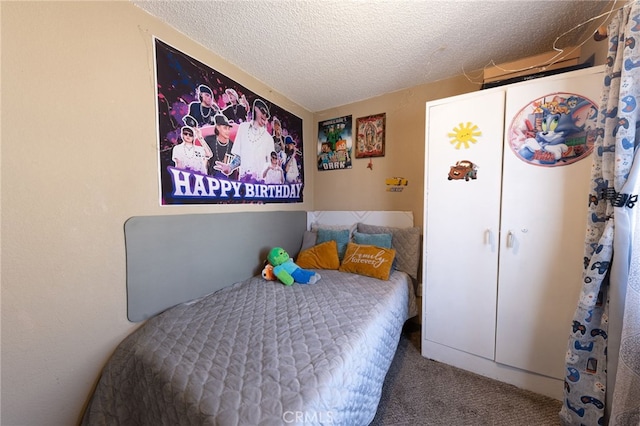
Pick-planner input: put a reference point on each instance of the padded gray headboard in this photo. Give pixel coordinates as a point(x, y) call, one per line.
point(177, 258)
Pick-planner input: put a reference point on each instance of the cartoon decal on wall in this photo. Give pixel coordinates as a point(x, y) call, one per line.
point(463, 169)
point(555, 130)
point(396, 184)
point(463, 134)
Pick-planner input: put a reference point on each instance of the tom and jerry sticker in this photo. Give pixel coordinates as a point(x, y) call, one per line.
point(554, 130)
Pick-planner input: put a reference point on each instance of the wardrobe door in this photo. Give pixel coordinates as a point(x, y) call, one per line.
point(544, 208)
point(462, 180)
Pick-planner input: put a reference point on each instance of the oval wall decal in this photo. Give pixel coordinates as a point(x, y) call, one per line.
point(554, 130)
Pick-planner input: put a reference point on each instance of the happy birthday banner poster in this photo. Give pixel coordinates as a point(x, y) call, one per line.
point(220, 143)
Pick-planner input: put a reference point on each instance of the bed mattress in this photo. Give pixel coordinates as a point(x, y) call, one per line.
point(260, 353)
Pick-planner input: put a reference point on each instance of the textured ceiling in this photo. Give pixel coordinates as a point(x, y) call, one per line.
point(324, 53)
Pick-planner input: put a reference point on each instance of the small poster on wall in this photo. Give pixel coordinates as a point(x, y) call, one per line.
point(370, 137)
point(334, 143)
point(220, 143)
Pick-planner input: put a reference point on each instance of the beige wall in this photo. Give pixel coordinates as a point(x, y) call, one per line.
point(361, 188)
point(79, 157)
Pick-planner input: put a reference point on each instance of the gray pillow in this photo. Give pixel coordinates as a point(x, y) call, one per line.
point(406, 242)
point(308, 240)
point(316, 225)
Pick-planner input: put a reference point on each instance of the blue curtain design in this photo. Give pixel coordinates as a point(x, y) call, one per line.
point(592, 352)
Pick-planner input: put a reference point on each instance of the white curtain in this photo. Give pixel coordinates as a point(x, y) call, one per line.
point(602, 384)
point(625, 386)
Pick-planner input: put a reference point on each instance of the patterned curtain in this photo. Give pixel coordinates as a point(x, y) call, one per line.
point(607, 279)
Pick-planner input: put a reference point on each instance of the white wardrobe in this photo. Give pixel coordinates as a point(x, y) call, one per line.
point(507, 188)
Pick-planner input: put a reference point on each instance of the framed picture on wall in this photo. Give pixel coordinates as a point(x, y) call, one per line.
point(370, 136)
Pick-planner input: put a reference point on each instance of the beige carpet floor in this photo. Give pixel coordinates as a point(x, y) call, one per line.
point(418, 391)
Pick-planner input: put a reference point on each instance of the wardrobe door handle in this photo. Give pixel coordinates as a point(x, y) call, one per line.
point(488, 237)
point(509, 239)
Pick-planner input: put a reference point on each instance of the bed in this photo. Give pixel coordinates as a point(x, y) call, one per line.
point(257, 352)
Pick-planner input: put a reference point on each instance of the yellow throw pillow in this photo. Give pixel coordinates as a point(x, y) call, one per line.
point(372, 261)
point(321, 256)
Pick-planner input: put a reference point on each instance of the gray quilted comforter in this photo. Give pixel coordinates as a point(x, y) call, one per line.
point(260, 353)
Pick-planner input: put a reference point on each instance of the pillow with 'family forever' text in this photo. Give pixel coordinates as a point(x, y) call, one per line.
point(406, 242)
point(372, 261)
point(380, 240)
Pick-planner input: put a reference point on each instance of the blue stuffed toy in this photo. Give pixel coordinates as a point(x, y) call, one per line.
point(285, 269)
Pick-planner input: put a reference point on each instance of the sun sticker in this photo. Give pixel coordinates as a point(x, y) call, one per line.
point(464, 134)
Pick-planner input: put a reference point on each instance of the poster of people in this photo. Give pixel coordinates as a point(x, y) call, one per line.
point(334, 143)
point(220, 143)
